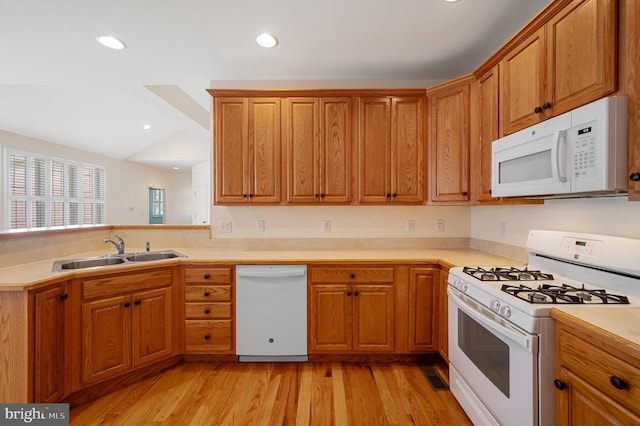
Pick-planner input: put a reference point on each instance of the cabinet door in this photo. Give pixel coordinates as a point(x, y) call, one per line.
point(152, 326)
point(106, 338)
point(330, 318)
point(487, 131)
point(449, 153)
point(264, 150)
point(231, 151)
point(336, 150)
point(302, 147)
point(443, 316)
point(580, 404)
point(582, 54)
point(408, 150)
point(374, 156)
point(522, 84)
point(373, 318)
point(50, 344)
point(423, 309)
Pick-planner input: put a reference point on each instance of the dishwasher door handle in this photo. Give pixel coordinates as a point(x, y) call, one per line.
point(267, 273)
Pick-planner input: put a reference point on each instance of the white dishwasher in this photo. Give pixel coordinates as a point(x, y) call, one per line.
point(271, 313)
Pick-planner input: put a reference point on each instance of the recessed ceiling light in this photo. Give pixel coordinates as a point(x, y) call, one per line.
point(266, 40)
point(146, 126)
point(176, 168)
point(452, 1)
point(111, 42)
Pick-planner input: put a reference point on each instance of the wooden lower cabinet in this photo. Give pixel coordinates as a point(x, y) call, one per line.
point(423, 303)
point(443, 316)
point(351, 310)
point(51, 353)
point(597, 381)
point(126, 322)
point(209, 326)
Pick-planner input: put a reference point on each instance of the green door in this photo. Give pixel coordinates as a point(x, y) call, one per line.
point(156, 205)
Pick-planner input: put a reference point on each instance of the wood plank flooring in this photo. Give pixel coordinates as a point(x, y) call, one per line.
point(277, 394)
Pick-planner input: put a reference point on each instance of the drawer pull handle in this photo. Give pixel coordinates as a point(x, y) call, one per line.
point(64, 296)
point(207, 336)
point(617, 382)
point(352, 276)
point(206, 311)
point(559, 384)
point(206, 294)
point(207, 276)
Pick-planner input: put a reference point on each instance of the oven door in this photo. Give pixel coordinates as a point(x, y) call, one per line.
point(494, 365)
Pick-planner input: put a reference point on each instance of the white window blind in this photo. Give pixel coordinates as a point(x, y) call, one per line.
point(46, 192)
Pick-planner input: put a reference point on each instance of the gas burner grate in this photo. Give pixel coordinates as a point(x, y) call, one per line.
point(563, 294)
point(506, 274)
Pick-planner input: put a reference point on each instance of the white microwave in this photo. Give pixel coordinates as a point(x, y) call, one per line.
point(580, 153)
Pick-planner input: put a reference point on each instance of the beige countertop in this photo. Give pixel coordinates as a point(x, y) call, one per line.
point(35, 274)
point(621, 321)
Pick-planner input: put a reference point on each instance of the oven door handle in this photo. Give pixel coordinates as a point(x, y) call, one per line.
point(487, 319)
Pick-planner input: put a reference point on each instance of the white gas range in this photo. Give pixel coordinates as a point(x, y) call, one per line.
point(501, 335)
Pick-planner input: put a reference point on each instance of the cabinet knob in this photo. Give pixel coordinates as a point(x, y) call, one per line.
point(244, 195)
point(207, 336)
point(206, 311)
point(388, 195)
point(316, 195)
point(206, 294)
point(127, 304)
point(464, 193)
point(635, 177)
point(348, 293)
point(537, 110)
point(64, 296)
point(617, 382)
point(546, 105)
point(355, 293)
point(559, 384)
point(352, 276)
point(206, 276)
point(250, 195)
point(321, 195)
point(137, 302)
point(394, 195)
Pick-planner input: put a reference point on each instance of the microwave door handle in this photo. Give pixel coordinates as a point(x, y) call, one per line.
point(520, 338)
point(560, 136)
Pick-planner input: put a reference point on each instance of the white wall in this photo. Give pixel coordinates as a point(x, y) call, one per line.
point(613, 216)
point(127, 182)
point(346, 221)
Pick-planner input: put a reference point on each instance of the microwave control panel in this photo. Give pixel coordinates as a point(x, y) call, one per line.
point(584, 151)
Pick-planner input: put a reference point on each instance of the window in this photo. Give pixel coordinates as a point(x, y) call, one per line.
point(46, 192)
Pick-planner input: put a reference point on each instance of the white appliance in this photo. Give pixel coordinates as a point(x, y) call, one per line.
point(501, 335)
point(271, 313)
point(582, 152)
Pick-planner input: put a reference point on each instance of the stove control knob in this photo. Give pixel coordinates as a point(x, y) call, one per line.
point(495, 305)
point(505, 311)
point(463, 287)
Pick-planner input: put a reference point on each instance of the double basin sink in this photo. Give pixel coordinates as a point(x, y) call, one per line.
point(114, 259)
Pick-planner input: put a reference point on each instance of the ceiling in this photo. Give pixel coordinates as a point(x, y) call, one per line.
point(58, 84)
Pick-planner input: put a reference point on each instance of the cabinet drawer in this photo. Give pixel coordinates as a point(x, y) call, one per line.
point(208, 310)
point(118, 284)
point(214, 293)
point(596, 367)
point(349, 275)
point(208, 336)
point(208, 275)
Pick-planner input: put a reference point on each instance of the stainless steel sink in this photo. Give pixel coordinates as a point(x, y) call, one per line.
point(147, 256)
point(114, 259)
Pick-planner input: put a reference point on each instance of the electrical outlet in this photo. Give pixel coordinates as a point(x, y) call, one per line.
point(260, 225)
point(224, 227)
point(326, 225)
point(411, 225)
point(439, 225)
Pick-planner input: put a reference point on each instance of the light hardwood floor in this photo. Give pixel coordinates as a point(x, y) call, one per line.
point(277, 394)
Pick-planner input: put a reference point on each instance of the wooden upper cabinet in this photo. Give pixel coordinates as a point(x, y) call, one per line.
point(318, 150)
point(247, 150)
point(391, 150)
point(449, 141)
point(485, 118)
point(568, 62)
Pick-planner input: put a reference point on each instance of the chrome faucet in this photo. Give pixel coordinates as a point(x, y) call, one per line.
point(119, 245)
